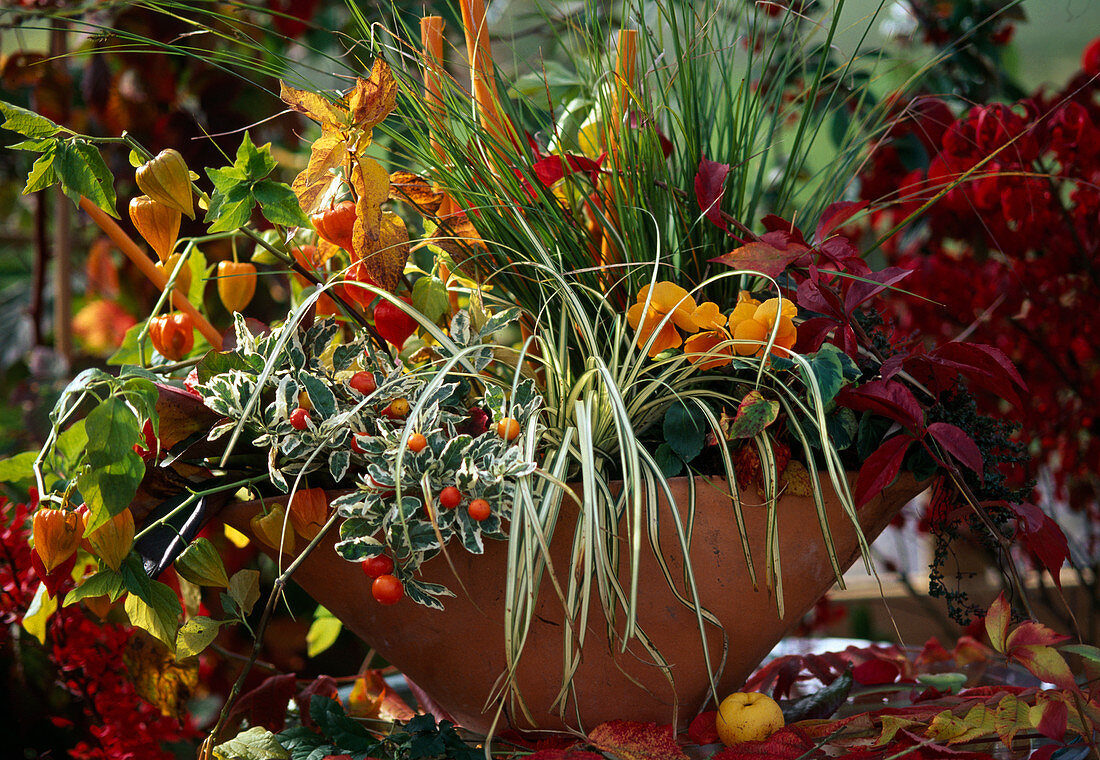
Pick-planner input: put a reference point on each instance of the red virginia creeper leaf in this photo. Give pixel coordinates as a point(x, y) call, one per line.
point(836, 216)
point(1031, 633)
point(861, 291)
point(881, 468)
point(1043, 537)
point(704, 728)
point(710, 187)
point(630, 740)
point(875, 672)
point(777, 225)
point(1046, 663)
point(785, 744)
point(887, 398)
point(266, 704)
point(552, 168)
point(762, 257)
point(958, 444)
point(1050, 718)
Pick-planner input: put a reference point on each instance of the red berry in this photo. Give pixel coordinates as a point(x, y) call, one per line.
point(479, 509)
point(363, 382)
point(450, 497)
point(299, 419)
point(392, 323)
point(377, 566)
point(355, 444)
point(386, 589)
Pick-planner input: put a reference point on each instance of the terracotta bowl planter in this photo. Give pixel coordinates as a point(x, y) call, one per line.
point(457, 655)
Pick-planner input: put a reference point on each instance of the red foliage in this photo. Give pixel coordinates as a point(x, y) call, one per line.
point(1010, 253)
point(119, 724)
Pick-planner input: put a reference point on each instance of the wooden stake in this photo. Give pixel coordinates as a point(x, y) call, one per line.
point(431, 37)
point(128, 247)
point(482, 81)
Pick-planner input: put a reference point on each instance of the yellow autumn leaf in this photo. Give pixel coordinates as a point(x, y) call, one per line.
point(372, 188)
point(313, 105)
point(38, 614)
point(235, 537)
point(384, 259)
point(317, 184)
point(372, 100)
point(158, 677)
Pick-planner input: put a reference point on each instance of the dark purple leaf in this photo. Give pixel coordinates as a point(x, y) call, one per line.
point(1042, 536)
point(881, 468)
point(958, 444)
point(266, 704)
point(710, 187)
point(836, 216)
point(552, 168)
point(773, 223)
point(887, 398)
point(861, 291)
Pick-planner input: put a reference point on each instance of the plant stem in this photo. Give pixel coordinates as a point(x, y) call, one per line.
point(135, 254)
point(272, 599)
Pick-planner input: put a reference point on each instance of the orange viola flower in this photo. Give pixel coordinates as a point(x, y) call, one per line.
point(668, 300)
point(752, 323)
point(705, 349)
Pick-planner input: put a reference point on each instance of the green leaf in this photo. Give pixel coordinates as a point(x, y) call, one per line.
point(195, 635)
point(685, 429)
point(201, 564)
point(257, 743)
point(26, 123)
point(833, 370)
point(72, 442)
point(279, 204)
point(230, 210)
point(127, 353)
point(670, 463)
point(158, 613)
point(334, 723)
point(109, 489)
point(142, 393)
point(226, 179)
point(1090, 653)
point(753, 415)
point(112, 429)
point(323, 632)
point(822, 703)
point(320, 395)
point(43, 174)
point(103, 188)
point(104, 583)
point(79, 177)
point(244, 589)
point(429, 297)
point(17, 470)
point(255, 162)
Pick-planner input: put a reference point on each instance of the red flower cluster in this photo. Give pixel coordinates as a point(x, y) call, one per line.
point(86, 659)
point(1010, 253)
